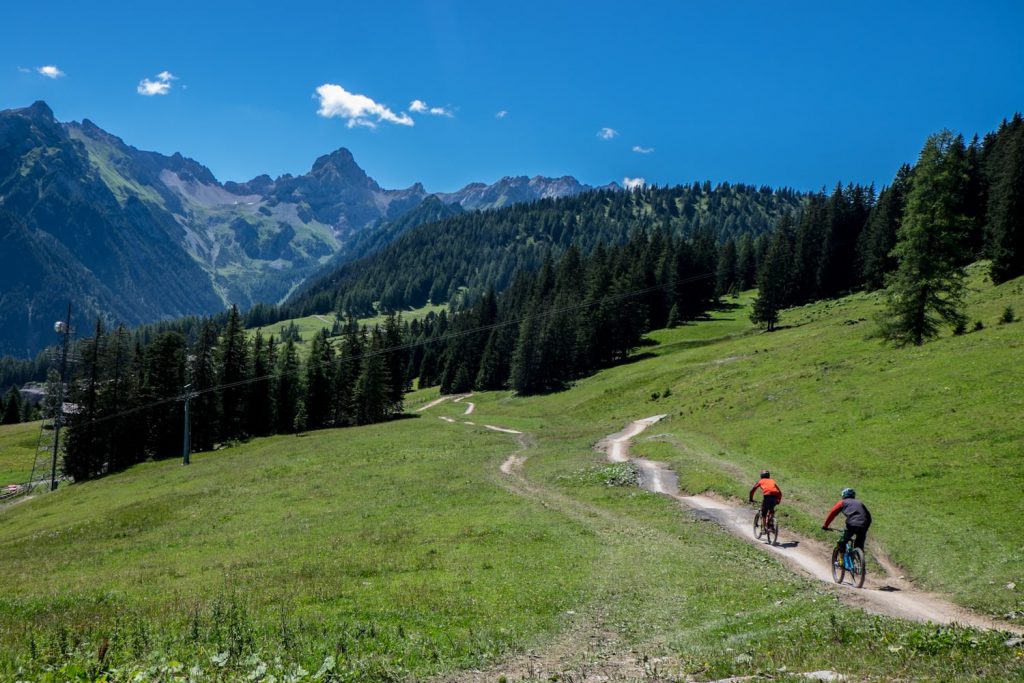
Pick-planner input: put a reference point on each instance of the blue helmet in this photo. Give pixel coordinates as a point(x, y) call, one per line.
point(848, 493)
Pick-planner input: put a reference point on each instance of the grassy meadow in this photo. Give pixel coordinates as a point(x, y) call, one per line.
point(312, 324)
point(400, 552)
point(17, 449)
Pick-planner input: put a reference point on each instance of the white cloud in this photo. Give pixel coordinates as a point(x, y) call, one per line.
point(360, 110)
point(607, 133)
point(642, 150)
point(501, 114)
point(633, 183)
point(420, 107)
point(50, 71)
point(161, 86)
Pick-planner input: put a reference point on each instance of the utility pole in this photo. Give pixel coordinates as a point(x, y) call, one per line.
point(186, 448)
point(63, 328)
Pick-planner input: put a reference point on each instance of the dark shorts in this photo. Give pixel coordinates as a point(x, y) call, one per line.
point(859, 534)
point(769, 503)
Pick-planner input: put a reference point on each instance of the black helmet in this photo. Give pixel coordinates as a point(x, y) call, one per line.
point(848, 493)
point(765, 474)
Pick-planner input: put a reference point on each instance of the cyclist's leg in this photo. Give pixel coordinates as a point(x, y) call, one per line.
point(848, 533)
point(859, 534)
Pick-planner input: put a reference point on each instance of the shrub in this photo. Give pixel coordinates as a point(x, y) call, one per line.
point(1008, 315)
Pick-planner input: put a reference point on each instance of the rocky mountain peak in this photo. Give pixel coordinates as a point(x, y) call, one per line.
point(39, 110)
point(340, 168)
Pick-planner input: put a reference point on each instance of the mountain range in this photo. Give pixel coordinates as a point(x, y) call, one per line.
point(132, 236)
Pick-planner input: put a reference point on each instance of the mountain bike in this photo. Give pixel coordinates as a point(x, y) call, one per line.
point(768, 527)
point(848, 560)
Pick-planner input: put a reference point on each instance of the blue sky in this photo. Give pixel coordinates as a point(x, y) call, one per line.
point(782, 93)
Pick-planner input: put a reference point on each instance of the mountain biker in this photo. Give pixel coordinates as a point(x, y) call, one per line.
point(771, 493)
point(858, 518)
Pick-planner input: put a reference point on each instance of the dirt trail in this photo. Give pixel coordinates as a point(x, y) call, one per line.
point(590, 651)
point(454, 398)
point(882, 595)
point(470, 406)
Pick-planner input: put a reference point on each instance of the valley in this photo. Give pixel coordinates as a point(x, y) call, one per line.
point(401, 534)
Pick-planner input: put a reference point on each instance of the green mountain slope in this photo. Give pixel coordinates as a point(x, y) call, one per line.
point(135, 236)
point(481, 249)
point(68, 238)
point(401, 550)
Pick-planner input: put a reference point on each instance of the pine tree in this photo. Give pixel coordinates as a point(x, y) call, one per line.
point(289, 388)
point(320, 372)
point(121, 431)
point(396, 357)
point(261, 419)
point(726, 275)
point(879, 236)
point(85, 454)
point(746, 268)
point(235, 371)
point(348, 368)
point(372, 398)
point(163, 385)
point(774, 279)
point(205, 414)
point(1006, 212)
point(927, 287)
point(11, 407)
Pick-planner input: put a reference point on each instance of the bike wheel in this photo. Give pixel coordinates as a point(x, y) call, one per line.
point(859, 570)
point(772, 531)
point(838, 570)
point(758, 529)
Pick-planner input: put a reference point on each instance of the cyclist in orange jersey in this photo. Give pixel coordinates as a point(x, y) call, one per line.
point(771, 493)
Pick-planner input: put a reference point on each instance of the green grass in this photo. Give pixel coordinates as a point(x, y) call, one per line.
point(311, 324)
point(17, 450)
point(399, 551)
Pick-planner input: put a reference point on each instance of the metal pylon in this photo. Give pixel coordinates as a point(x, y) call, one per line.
point(49, 450)
point(43, 461)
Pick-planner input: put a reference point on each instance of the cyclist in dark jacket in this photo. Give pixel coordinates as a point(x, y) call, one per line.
point(858, 519)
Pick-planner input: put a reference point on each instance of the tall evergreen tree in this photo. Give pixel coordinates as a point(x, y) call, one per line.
point(85, 453)
point(927, 287)
point(726, 276)
point(773, 282)
point(396, 356)
point(11, 407)
point(348, 368)
point(123, 435)
point(875, 258)
point(1006, 210)
point(373, 403)
point(746, 267)
point(289, 388)
point(161, 390)
point(205, 414)
point(235, 371)
point(320, 371)
point(261, 419)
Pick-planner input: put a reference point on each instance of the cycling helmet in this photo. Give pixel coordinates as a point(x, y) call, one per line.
point(848, 493)
point(765, 474)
